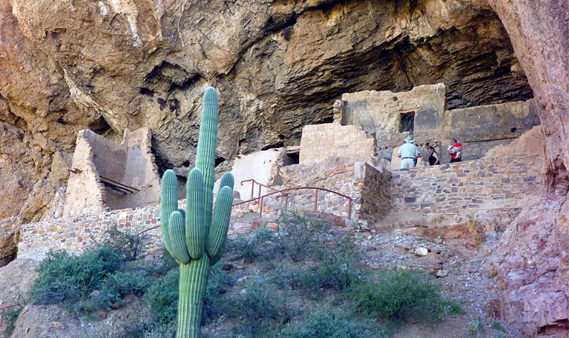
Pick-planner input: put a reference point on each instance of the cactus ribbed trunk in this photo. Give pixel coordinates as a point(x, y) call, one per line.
point(193, 282)
point(195, 237)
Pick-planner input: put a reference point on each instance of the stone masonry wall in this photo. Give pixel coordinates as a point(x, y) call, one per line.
point(79, 232)
point(466, 187)
point(368, 187)
point(322, 141)
point(375, 193)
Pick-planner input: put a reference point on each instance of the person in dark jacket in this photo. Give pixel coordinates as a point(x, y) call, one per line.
point(434, 158)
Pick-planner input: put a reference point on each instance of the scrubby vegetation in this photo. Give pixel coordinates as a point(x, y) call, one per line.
point(304, 280)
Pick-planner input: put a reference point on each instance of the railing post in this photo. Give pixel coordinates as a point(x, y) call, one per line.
point(259, 190)
point(350, 208)
point(252, 189)
point(316, 200)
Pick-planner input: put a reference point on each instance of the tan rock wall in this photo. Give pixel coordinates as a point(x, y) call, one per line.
point(478, 128)
point(85, 192)
point(322, 141)
point(380, 112)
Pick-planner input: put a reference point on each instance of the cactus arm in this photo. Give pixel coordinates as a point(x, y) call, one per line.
point(178, 244)
point(219, 225)
point(195, 231)
point(227, 181)
point(168, 204)
point(183, 212)
point(205, 159)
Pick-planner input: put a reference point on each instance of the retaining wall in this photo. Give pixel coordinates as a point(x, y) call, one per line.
point(466, 187)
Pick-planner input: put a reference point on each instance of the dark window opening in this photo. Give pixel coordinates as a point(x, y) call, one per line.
point(291, 157)
point(407, 122)
point(513, 130)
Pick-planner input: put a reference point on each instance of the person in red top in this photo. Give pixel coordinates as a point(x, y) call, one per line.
point(455, 151)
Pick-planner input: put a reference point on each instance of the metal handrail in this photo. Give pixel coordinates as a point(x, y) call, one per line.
point(2, 315)
point(283, 193)
point(261, 185)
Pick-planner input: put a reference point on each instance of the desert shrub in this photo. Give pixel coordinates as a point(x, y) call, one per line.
point(161, 331)
point(114, 287)
point(65, 278)
point(333, 262)
point(399, 296)
point(328, 325)
point(168, 263)
point(10, 317)
point(337, 276)
point(296, 236)
point(126, 243)
point(163, 297)
point(251, 247)
point(336, 265)
point(218, 283)
point(257, 310)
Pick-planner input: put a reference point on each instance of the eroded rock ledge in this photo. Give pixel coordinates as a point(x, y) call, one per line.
point(279, 65)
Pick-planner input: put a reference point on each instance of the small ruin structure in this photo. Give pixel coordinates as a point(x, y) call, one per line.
point(111, 175)
point(389, 117)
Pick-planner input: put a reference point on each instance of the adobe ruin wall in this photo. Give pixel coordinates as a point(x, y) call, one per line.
point(106, 174)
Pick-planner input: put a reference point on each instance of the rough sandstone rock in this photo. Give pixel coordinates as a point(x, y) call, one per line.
point(532, 263)
point(108, 66)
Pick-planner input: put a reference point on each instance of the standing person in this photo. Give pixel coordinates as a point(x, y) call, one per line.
point(455, 151)
point(408, 153)
point(434, 158)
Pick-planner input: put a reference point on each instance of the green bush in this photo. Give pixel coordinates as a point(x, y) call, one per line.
point(399, 296)
point(65, 278)
point(257, 310)
point(128, 244)
point(329, 325)
point(296, 236)
point(163, 298)
point(114, 287)
point(218, 283)
point(10, 317)
point(251, 247)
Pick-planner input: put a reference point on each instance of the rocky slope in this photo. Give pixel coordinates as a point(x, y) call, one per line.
point(113, 65)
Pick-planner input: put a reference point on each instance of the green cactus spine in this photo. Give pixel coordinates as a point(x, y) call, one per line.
point(195, 237)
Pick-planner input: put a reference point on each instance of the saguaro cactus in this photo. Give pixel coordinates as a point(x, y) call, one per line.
point(195, 237)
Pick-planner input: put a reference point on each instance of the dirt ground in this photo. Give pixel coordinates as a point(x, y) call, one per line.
point(466, 281)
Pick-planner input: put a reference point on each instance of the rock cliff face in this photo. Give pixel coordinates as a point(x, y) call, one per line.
point(113, 65)
point(533, 261)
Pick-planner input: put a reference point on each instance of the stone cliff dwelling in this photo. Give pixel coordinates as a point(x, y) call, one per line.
point(369, 125)
point(106, 174)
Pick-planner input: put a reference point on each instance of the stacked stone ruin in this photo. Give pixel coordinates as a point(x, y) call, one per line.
point(351, 156)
